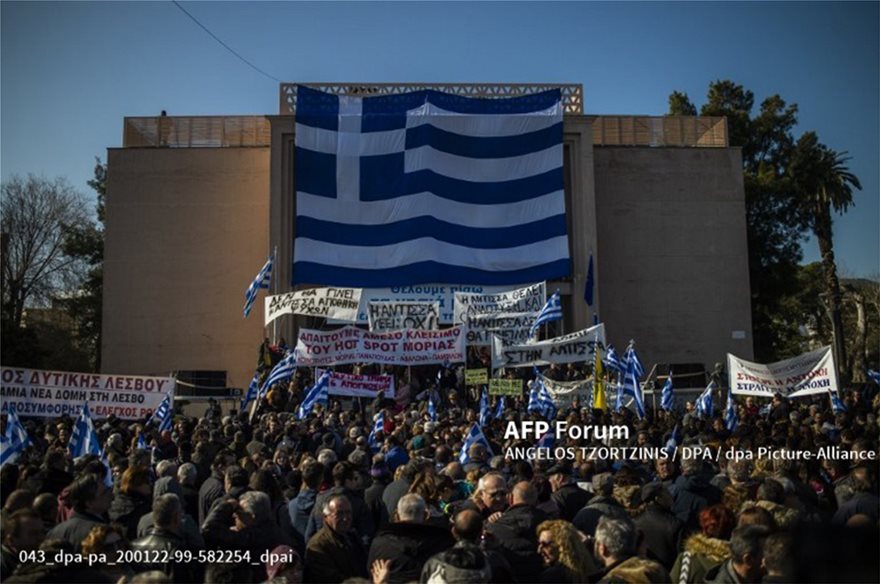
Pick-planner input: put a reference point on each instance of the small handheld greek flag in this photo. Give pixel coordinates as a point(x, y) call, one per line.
point(545, 401)
point(552, 311)
point(432, 407)
point(612, 361)
point(499, 408)
point(667, 398)
point(142, 441)
point(633, 372)
point(378, 426)
point(837, 406)
point(674, 440)
point(108, 474)
point(252, 391)
point(874, 375)
point(261, 281)
point(704, 406)
point(730, 419)
point(15, 440)
point(485, 415)
point(474, 436)
point(163, 414)
point(84, 439)
point(318, 394)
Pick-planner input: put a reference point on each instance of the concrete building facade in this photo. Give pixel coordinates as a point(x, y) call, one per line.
point(194, 204)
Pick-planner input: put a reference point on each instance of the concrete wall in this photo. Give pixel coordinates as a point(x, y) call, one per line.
point(187, 231)
point(673, 264)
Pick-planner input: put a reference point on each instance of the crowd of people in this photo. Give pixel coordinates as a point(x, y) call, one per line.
point(227, 497)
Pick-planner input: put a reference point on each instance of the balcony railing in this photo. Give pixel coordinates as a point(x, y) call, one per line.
point(196, 132)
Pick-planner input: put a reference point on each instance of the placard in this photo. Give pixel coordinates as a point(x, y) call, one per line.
point(403, 347)
point(354, 385)
point(571, 348)
point(806, 374)
point(392, 316)
point(505, 386)
point(476, 376)
point(340, 304)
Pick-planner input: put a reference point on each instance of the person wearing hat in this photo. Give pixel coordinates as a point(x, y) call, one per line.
point(602, 504)
point(660, 528)
point(567, 495)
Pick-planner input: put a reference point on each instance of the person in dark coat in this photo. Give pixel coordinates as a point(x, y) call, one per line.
point(746, 557)
point(515, 532)
point(567, 495)
point(187, 475)
point(165, 537)
point(134, 500)
point(381, 478)
point(301, 507)
point(213, 489)
point(189, 529)
point(335, 552)
point(244, 525)
point(602, 504)
point(53, 476)
point(346, 481)
point(691, 493)
point(409, 541)
point(397, 489)
point(660, 528)
point(22, 532)
point(91, 499)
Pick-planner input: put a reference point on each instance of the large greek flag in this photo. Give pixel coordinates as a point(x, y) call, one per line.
point(429, 187)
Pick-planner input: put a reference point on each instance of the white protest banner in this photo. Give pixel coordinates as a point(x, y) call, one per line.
point(353, 385)
point(806, 374)
point(522, 300)
point(560, 390)
point(403, 347)
point(510, 327)
point(572, 348)
point(392, 316)
point(443, 294)
point(340, 304)
point(49, 394)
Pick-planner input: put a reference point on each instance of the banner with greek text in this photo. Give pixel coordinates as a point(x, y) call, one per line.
point(353, 385)
point(510, 327)
point(49, 394)
point(522, 300)
point(561, 390)
point(505, 386)
point(339, 304)
point(443, 294)
point(392, 316)
point(571, 348)
point(403, 347)
point(806, 374)
point(476, 376)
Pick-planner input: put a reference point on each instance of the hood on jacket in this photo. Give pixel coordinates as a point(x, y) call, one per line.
point(718, 550)
point(785, 517)
point(464, 563)
point(637, 569)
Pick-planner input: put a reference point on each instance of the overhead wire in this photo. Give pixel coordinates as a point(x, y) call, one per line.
point(227, 47)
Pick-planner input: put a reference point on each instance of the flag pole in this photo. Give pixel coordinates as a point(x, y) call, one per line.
point(275, 290)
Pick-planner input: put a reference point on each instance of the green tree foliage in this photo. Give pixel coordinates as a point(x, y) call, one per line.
point(87, 243)
point(680, 105)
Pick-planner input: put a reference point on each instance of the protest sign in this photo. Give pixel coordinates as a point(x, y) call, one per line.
point(49, 394)
point(510, 327)
point(403, 347)
point(476, 376)
point(560, 390)
point(572, 348)
point(354, 385)
point(522, 300)
point(392, 316)
point(505, 386)
point(340, 304)
point(806, 374)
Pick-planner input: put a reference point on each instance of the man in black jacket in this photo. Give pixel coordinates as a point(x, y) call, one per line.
point(661, 529)
point(569, 497)
point(409, 541)
point(91, 501)
point(165, 536)
point(515, 532)
point(692, 492)
point(346, 481)
point(335, 552)
point(212, 489)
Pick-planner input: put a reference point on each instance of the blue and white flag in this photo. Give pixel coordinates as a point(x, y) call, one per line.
point(485, 414)
point(730, 419)
point(282, 371)
point(534, 406)
point(432, 407)
point(704, 405)
point(261, 281)
point(633, 372)
point(142, 441)
point(673, 441)
point(545, 401)
point(163, 414)
point(84, 439)
point(837, 405)
point(429, 187)
point(252, 391)
point(15, 440)
point(318, 394)
point(612, 361)
point(551, 311)
point(765, 410)
point(378, 426)
point(474, 436)
point(108, 473)
point(874, 375)
point(548, 440)
point(499, 409)
point(667, 399)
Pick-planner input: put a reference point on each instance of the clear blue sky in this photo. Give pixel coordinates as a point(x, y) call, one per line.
point(72, 71)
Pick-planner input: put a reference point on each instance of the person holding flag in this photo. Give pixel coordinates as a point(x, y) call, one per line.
point(318, 394)
point(474, 437)
point(378, 427)
point(15, 440)
point(633, 372)
point(551, 311)
point(485, 414)
point(730, 418)
point(705, 407)
point(667, 399)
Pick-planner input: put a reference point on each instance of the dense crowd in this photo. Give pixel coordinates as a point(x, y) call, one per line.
point(222, 498)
